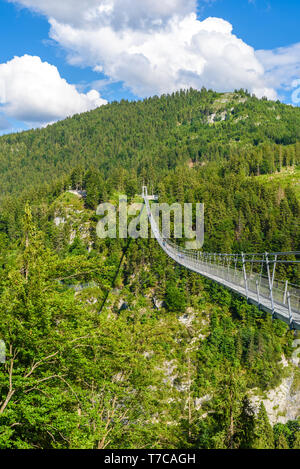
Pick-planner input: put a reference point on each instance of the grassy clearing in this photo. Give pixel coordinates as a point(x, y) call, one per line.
point(286, 178)
point(67, 199)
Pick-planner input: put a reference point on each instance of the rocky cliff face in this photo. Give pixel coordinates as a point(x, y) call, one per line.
point(283, 403)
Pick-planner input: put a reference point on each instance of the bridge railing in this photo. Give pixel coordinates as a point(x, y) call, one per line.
point(276, 294)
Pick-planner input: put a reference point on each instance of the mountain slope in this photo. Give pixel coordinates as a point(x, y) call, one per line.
point(162, 132)
point(109, 343)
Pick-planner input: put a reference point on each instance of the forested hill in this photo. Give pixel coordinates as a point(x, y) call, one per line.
point(190, 146)
point(148, 138)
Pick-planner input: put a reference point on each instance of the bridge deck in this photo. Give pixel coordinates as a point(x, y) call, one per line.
point(230, 278)
point(281, 310)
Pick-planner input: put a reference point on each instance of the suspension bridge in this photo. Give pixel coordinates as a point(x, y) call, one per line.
point(251, 275)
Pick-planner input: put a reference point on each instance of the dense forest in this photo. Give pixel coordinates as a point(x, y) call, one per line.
point(109, 344)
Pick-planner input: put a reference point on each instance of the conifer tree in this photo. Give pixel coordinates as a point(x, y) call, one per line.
point(282, 442)
point(297, 441)
point(264, 432)
point(245, 434)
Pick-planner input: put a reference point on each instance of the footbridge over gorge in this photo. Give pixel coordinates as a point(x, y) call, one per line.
point(251, 275)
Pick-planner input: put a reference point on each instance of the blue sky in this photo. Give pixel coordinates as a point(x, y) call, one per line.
point(114, 49)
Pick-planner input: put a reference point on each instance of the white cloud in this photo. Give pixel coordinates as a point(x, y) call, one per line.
point(282, 65)
point(153, 46)
point(117, 13)
point(184, 52)
point(33, 91)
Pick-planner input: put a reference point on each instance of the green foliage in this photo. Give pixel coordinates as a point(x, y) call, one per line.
point(265, 436)
point(287, 435)
point(175, 298)
point(109, 344)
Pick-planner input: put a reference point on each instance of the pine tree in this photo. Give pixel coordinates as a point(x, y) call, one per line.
point(227, 405)
point(239, 347)
point(250, 352)
point(297, 441)
point(264, 432)
point(245, 434)
point(282, 442)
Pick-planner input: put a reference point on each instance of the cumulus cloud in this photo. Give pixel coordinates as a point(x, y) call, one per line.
point(33, 91)
point(184, 52)
point(153, 46)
